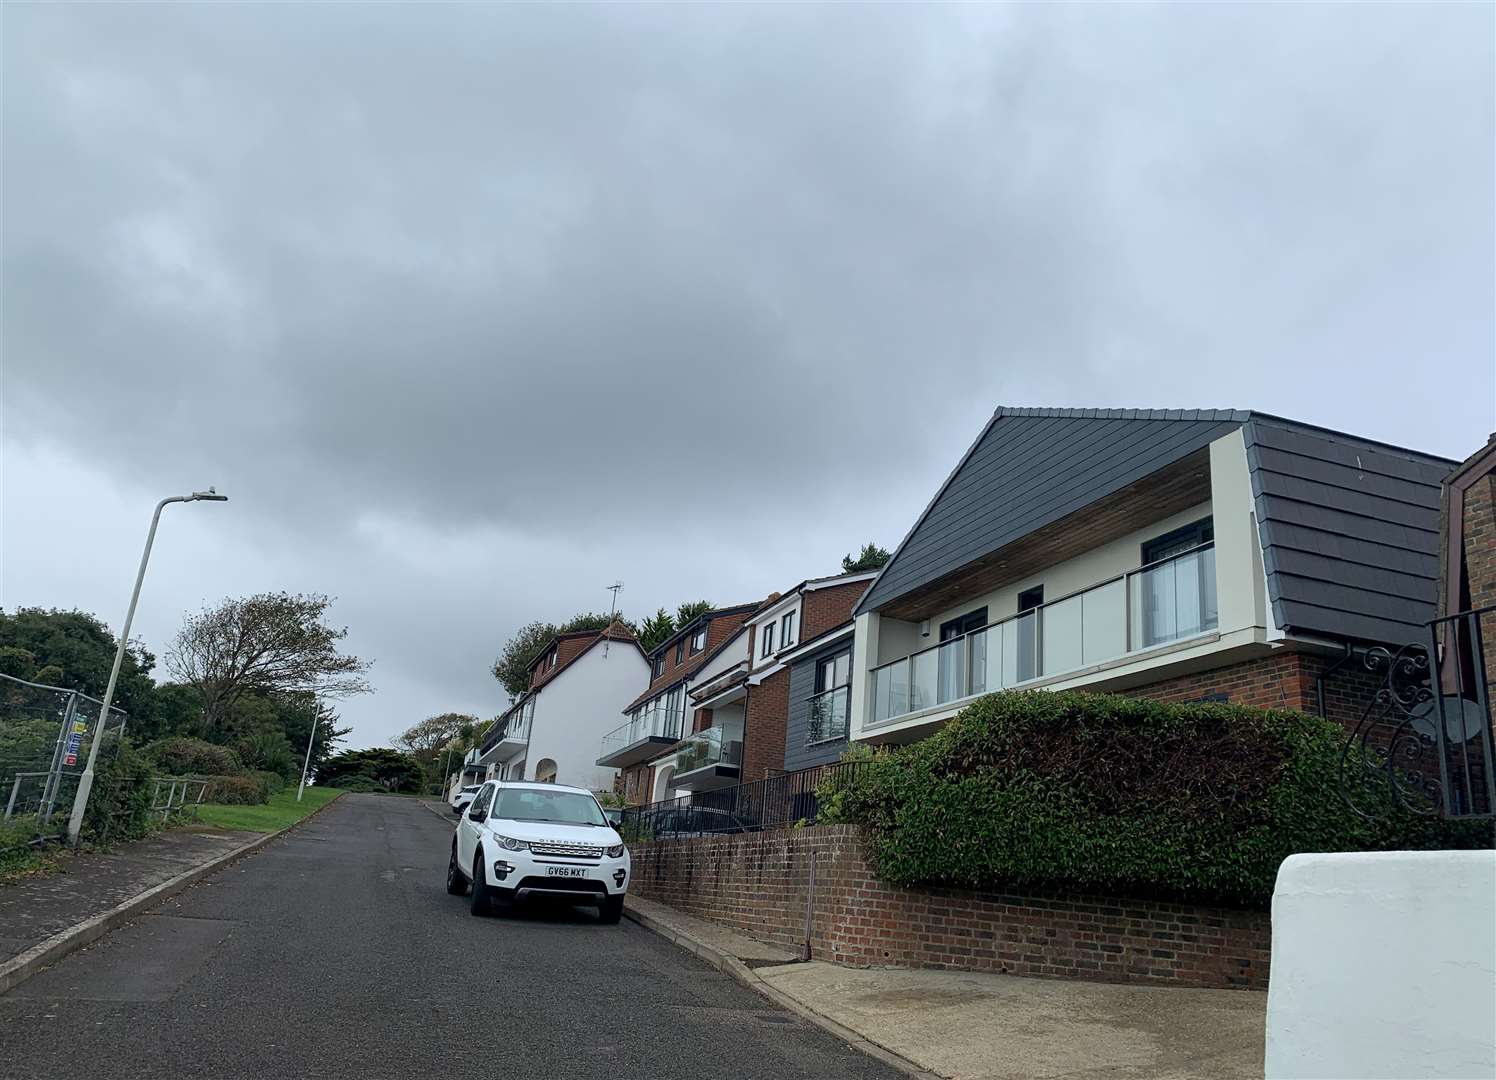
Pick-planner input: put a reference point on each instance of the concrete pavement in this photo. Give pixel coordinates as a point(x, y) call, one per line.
point(977, 1026)
point(336, 952)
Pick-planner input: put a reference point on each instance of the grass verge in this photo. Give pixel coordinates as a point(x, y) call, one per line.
point(280, 811)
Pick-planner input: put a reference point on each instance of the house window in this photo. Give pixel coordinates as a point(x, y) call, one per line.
point(659, 665)
point(787, 630)
point(553, 659)
point(1178, 584)
point(680, 650)
point(698, 640)
point(1027, 627)
point(766, 631)
point(834, 671)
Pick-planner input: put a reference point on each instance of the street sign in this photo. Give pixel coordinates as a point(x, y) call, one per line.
point(75, 739)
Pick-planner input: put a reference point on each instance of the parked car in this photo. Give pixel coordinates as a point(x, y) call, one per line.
point(538, 842)
point(464, 798)
point(683, 821)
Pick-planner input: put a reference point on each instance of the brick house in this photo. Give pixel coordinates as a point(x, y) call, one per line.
point(657, 716)
point(1181, 555)
point(576, 684)
point(763, 686)
point(1467, 549)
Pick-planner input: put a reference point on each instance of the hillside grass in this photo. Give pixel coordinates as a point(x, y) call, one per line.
point(281, 810)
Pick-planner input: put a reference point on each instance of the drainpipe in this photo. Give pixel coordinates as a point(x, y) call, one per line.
point(1319, 683)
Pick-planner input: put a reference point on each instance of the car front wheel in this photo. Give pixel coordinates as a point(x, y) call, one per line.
point(480, 886)
point(610, 911)
point(456, 885)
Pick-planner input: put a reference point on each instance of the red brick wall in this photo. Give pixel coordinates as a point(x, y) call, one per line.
point(637, 784)
point(823, 609)
point(763, 726)
point(1480, 561)
point(1284, 680)
point(757, 883)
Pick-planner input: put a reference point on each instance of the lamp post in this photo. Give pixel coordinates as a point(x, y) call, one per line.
point(85, 782)
point(310, 739)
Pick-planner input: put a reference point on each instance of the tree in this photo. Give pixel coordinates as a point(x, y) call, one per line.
point(427, 738)
point(512, 668)
point(75, 650)
point(872, 557)
point(382, 768)
point(654, 630)
point(272, 643)
point(689, 611)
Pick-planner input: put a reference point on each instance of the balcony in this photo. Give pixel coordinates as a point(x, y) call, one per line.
point(709, 759)
point(509, 737)
point(1157, 605)
point(829, 712)
point(639, 738)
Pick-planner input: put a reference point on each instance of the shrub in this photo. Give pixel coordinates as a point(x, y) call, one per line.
point(1101, 793)
point(274, 782)
point(181, 756)
point(236, 791)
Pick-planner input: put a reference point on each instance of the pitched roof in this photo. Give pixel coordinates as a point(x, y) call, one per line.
point(691, 664)
point(1349, 526)
point(614, 631)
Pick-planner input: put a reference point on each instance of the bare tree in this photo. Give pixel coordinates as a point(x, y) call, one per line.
point(270, 643)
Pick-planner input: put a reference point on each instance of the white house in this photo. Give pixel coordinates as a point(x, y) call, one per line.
point(578, 684)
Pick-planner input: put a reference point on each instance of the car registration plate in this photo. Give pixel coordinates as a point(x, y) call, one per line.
point(565, 871)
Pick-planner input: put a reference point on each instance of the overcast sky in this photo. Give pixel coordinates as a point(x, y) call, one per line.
point(474, 310)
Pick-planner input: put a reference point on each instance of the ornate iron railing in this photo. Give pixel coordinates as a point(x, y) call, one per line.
point(1423, 744)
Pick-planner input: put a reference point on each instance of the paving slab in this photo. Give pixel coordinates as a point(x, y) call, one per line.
point(979, 1026)
point(91, 883)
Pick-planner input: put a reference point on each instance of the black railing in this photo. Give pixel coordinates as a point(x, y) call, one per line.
point(777, 802)
point(1423, 743)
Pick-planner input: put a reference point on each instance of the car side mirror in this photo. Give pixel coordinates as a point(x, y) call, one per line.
point(475, 814)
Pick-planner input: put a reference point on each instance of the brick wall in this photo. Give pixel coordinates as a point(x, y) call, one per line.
point(823, 609)
point(757, 883)
point(1480, 560)
point(763, 726)
point(1284, 680)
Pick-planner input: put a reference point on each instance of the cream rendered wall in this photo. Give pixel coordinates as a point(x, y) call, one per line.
point(1384, 964)
point(578, 707)
point(900, 638)
point(732, 654)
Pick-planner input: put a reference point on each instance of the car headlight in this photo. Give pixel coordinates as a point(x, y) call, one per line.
point(616, 851)
point(510, 844)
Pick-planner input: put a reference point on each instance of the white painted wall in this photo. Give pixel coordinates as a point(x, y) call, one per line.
point(1384, 965)
point(733, 653)
point(775, 618)
point(578, 707)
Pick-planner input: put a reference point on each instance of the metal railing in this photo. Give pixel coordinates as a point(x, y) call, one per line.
point(648, 724)
point(777, 802)
point(514, 726)
point(829, 713)
point(44, 735)
point(1167, 601)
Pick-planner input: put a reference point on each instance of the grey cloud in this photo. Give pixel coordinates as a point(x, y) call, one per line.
point(560, 280)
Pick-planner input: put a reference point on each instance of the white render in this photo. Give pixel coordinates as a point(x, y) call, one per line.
point(1384, 965)
point(578, 707)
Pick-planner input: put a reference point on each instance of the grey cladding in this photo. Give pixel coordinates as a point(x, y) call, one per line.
point(1349, 527)
point(797, 755)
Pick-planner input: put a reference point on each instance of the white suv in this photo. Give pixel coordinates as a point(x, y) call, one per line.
point(540, 841)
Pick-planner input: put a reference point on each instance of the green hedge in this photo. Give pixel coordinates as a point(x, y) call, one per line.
point(236, 791)
point(181, 756)
point(274, 782)
point(1117, 795)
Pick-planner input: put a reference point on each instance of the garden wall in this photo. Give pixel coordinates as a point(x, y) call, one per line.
point(757, 883)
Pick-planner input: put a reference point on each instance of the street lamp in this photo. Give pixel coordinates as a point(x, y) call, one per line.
point(85, 782)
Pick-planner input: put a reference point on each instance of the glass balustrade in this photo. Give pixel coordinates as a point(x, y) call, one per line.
point(1155, 605)
point(828, 715)
point(714, 746)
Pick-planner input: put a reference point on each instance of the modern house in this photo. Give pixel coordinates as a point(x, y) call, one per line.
point(576, 685)
point(656, 719)
point(740, 698)
point(1184, 555)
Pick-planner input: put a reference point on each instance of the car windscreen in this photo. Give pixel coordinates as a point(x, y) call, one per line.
point(532, 804)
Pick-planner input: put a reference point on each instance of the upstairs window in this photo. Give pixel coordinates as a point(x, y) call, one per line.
point(698, 640)
point(680, 650)
point(787, 630)
point(659, 665)
point(766, 646)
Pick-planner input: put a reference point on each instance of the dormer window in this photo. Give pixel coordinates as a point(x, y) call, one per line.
point(698, 640)
point(659, 665)
point(680, 650)
point(553, 659)
point(787, 630)
point(766, 646)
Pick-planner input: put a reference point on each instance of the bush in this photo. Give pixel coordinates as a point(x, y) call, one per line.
point(1112, 794)
point(236, 791)
point(119, 803)
point(274, 782)
point(181, 756)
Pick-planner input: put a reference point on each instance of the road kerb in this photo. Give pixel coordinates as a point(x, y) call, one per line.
point(20, 968)
point(742, 973)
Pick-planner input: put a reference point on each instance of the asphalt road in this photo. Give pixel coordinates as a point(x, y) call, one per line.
point(336, 952)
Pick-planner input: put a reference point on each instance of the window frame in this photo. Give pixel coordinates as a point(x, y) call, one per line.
point(658, 667)
point(787, 629)
point(831, 659)
point(766, 639)
point(680, 651)
point(699, 632)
